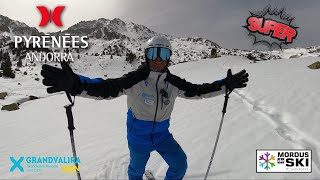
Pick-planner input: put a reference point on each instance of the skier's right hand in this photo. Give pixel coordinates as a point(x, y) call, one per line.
point(60, 79)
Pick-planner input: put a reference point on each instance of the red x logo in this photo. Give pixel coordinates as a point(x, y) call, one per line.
point(49, 16)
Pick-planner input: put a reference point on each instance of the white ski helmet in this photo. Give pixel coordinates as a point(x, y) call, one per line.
point(158, 41)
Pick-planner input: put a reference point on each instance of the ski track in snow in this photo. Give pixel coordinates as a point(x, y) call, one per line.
point(115, 169)
point(283, 129)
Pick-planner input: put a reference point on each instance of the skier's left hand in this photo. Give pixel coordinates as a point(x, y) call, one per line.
point(238, 80)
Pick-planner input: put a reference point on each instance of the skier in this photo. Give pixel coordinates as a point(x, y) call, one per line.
point(151, 93)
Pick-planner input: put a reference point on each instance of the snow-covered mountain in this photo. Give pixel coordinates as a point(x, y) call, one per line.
point(9, 28)
point(116, 37)
point(111, 29)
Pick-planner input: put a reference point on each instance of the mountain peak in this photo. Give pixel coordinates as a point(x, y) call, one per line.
point(16, 27)
point(120, 25)
point(104, 20)
point(117, 20)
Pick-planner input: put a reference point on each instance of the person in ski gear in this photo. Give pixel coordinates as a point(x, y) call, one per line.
point(151, 93)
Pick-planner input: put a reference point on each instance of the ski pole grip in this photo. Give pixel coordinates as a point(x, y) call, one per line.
point(226, 97)
point(225, 104)
point(70, 117)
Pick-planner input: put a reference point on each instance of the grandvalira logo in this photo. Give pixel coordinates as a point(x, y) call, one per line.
point(271, 27)
point(283, 161)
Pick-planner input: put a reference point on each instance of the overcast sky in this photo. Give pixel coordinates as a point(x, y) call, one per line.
point(220, 21)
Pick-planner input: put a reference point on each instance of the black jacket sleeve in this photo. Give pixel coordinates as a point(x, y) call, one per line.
point(190, 90)
point(111, 88)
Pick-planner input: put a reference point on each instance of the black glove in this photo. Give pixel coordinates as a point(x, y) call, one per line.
point(60, 79)
point(238, 80)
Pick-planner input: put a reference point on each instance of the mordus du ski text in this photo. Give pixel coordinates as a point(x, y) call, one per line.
point(53, 42)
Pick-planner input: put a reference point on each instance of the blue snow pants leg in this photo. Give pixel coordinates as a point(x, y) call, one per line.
point(175, 157)
point(169, 150)
point(139, 156)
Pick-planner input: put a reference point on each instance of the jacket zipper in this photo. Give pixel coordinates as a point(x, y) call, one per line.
point(161, 102)
point(155, 114)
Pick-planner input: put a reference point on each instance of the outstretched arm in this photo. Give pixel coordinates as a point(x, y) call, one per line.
point(196, 91)
point(111, 88)
point(66, 80)
point(206, 90)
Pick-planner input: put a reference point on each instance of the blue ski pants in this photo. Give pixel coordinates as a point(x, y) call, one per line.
point(170, 151)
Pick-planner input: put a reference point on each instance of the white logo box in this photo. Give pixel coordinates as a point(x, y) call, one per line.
point(283, 161)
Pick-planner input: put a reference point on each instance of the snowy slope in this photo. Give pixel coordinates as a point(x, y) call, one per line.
point(278, 110)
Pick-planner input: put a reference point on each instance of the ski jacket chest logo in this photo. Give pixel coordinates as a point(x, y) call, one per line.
point(148, 99)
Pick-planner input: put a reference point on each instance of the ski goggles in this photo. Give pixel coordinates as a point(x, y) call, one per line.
point(154, 52)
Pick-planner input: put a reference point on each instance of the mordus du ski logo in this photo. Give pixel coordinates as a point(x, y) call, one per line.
point(267, 162)
point(283, 161)
point(271, 27)
point(49, 16)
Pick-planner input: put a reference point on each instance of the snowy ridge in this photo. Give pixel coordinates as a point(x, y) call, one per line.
point(106, 36)
point(312, 51)
point(117, 37)
point(9, 28)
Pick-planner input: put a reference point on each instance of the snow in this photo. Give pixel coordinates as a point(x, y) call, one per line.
point(278, 110)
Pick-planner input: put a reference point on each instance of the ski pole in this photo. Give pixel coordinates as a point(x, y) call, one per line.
point(71, 128)
point(226, 97)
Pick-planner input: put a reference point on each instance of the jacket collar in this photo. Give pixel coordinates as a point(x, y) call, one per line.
point(153, 76)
